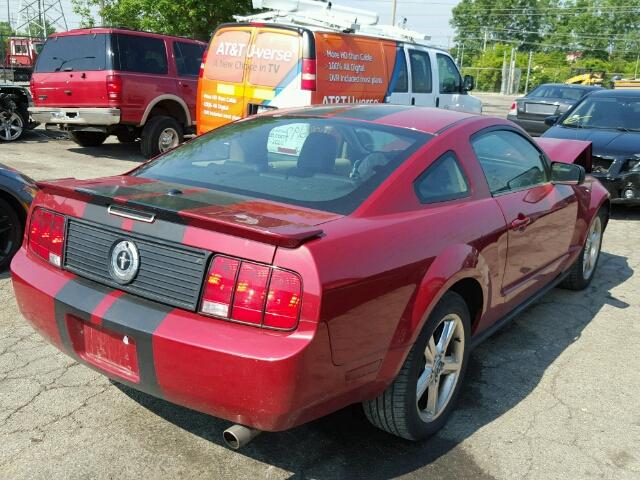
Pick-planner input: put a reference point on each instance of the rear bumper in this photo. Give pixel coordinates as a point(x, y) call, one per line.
point(75, 116)
point(532, 127)
point(264, 379)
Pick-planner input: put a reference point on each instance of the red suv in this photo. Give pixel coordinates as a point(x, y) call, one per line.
point(98, 82)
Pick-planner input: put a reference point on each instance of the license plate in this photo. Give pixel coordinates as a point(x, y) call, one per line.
point(110, 351)
point(540, 108)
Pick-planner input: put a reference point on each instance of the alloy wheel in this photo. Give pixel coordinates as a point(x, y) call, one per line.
point(168, 139)
point(443, 357)
point(11, 126)
point(592, 248)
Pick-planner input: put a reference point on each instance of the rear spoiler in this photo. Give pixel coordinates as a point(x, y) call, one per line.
point(225, 220)
point(567, 151)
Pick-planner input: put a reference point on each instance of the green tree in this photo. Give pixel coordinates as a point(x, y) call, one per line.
point(190, 18)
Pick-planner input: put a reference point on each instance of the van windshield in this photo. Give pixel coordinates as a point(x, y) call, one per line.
point(320, 163)
point(74, 53)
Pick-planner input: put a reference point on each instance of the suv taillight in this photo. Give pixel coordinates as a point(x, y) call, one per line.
point(202, 64)
point(252, 293)
point(32, 88)
point(46, 235)
point(114, 87)
point(308, 74)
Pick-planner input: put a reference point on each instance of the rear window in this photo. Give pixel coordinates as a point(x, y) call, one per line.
point(74, 53)
point(558, 92)
point(274, 58)
point(325, 164)
point(227, 56)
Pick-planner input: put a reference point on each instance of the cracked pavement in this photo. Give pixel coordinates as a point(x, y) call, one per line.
point(553, 395)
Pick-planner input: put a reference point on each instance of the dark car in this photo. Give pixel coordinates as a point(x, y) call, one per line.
point(548, 99)
point(610, 119)
point(16, 193)
point(270, 287)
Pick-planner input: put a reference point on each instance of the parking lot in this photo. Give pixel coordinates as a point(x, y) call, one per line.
point(553, 395)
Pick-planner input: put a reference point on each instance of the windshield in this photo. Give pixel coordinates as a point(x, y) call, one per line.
point(325, 164)
point(622, 113)
point(73, 53)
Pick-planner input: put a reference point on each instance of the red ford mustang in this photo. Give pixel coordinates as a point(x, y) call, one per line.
point(282, 267)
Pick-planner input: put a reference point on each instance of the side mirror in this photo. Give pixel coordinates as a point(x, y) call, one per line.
point(552, 120)
point(469, 83)
point(567, 173)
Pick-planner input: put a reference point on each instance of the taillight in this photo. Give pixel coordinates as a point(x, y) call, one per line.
point(308, 74)
point(46, 235)
point(514, 108)
point(32, 88)
point(252, 293)
point(114, 87)
point(202, 64)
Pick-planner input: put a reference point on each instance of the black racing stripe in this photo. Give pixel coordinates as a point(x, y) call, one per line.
point(169, 231)
point(372, 112)
point(138, 318)
point(99, 214)
point(189, 200)
point(79, 297)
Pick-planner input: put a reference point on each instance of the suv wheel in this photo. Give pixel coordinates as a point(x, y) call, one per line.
point(159, 135)
point(88, 139)
point(11, 126)
point(10, 233)
point(419, 401)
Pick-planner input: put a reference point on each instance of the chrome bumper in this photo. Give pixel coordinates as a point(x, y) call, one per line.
point(75, 116)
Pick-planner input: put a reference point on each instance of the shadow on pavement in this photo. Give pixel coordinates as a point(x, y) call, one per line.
point(503, 371)
point(624, 212)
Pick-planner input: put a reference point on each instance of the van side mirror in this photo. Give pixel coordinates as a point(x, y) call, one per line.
point(567, 173)
point(469, 83)
point(552, 120)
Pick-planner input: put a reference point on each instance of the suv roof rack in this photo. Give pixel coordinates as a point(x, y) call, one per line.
point(324, 14)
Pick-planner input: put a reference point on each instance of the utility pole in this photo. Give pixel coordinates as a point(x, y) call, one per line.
point(461, 57)
point(635, 75)
point(393, 11)
point(484, 43)
point(526, 83)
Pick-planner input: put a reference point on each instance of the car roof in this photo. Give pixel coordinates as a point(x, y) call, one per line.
point(618, 92)
point(88, 31)
point(424, 119)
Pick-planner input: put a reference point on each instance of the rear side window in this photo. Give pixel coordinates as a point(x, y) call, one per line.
point(442, 181)
point(188, 58)
point(400, 74)
point(450, 80)
point(74, 53)
point(137, 53)
point(318, 163)
point(274, 58)
point(227, 56)
point(509, 161)
point(420, 72)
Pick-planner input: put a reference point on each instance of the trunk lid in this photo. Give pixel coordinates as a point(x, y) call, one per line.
point(148, 199)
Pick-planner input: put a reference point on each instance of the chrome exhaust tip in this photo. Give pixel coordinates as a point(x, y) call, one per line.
point(237, 436)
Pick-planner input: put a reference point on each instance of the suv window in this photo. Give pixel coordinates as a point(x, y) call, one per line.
point(137, 53)
point(74, 53)
point(400, 73)
point(450, 80)
point(442, 181)
point(188, 58)
point(509, 161)
point(310, 162)
point(420, 72)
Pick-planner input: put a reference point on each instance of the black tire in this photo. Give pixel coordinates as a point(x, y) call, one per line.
point(127, 136)
point(577, 279)
point(152, 131)
point(396, 409)
point(11, 231)
point(88, 139)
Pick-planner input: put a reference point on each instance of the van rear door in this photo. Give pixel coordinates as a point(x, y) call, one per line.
point(221, 89)
point(71, 71)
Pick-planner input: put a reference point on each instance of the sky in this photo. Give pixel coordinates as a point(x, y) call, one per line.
point(430, 17)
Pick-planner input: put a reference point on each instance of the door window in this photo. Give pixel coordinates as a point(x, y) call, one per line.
point(442, 181)
point(137, 53)
point(450, 80)
point(509, 161)
point(400, 74)
point(188, 58)
point(420, 72)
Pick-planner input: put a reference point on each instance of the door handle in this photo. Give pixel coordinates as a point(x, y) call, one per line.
point(437, 102)
point(413, 100)
point(521, 222)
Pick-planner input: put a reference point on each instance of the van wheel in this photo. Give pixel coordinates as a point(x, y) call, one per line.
point(160, 134)
point(419, 401)
point(88, 139)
